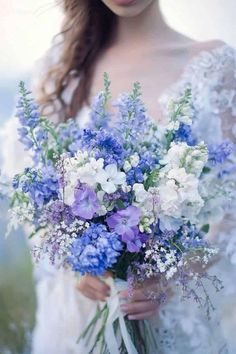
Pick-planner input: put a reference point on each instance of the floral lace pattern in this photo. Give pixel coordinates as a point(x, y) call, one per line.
point(211, 76)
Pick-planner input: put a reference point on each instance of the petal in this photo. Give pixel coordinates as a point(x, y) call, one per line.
point(120, 178)
point(134, 247)
point(128, 234)
point(109, 187)
point(111, 170)
point(101, 176)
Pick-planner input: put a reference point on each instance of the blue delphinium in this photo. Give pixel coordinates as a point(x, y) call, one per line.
point(135, 175)
point(95, 251)
point(31, 134)
point(218, 154)
point(184, 134)
point(132, 120)
point(99, 116)
point(70, 136)
point(148, 161)
point(103, 144)
point(108, 148)
point(41, 187)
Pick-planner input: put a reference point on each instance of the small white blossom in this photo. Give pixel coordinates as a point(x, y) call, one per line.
point(134, 160)
point(110, 178)
point(127, 166)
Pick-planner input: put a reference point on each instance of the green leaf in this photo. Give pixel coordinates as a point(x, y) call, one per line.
point(50, 154)
point(206, 169)
point(120, 204)
point(205, 228)
point(152, 179)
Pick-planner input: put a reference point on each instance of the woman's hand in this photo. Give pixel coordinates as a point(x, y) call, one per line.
point(93, 288)
point(138, 307)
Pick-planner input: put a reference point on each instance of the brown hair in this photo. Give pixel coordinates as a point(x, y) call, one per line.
point(87, 29)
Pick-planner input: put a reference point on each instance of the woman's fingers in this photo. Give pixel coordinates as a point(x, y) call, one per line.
point(139, 307)
point(93, 288)
point(141, 316)
point(98, 285)
point(93, 295)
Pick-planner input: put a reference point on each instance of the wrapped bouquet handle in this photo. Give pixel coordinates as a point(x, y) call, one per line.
point(115, 313)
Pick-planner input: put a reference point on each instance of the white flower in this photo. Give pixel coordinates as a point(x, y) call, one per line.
point(126, 188)
point(134, 160)
point(69, 191)
point(179, 194)
point(100, 195)
point(173, 125)
point(192, 159)
point(140, 193)
point(175, 154)
point(90, 171)
point(169, 199)
point(110, 178)
point(127, 166)
point(102, 211)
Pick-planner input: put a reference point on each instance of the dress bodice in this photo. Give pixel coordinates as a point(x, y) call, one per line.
point(211, 76)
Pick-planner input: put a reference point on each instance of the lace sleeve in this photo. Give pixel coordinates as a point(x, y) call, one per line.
point(212, 78)
point(223, 103)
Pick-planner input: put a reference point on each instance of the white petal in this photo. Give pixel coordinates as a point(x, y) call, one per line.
point(111, 170)
point(109, 187)
point(101, 177)
point(69, 195)
point(120, 178)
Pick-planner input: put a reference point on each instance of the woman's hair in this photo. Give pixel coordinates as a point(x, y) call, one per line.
point(87, 29)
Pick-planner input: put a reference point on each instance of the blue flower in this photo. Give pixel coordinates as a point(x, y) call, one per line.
point(102, 144)
point(41, 186)
point(218, 154)
point(184, 134)
point(96, 251)
point(99, 116)
point(135, 175)
point(132, 120)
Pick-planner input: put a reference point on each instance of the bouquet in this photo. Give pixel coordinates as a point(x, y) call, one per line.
point(124, 196)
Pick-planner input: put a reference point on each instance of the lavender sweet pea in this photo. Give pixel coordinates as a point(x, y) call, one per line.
point(86, 203)
point(124, 222)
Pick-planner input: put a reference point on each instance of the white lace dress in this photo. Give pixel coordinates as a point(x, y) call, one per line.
point(181, 327)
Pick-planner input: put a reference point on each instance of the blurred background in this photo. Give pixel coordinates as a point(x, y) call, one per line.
point(26, 29)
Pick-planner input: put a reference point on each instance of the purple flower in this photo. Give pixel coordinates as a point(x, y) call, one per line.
point(124, 222)
point(86, 202)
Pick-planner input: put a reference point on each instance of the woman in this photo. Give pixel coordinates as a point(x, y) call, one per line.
point(130, 40)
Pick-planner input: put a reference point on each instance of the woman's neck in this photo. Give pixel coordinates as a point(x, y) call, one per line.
point(147, 28)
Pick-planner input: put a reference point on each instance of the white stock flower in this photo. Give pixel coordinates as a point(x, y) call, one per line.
point(192, 158)
point(175, 154)
point(179, 194)
point(173, 125)
point(147, 202)
point(169, 199)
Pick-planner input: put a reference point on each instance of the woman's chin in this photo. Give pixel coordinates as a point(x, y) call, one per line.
point(127, 8)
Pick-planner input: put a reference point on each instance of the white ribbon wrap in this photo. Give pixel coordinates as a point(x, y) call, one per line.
point(115, 313)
